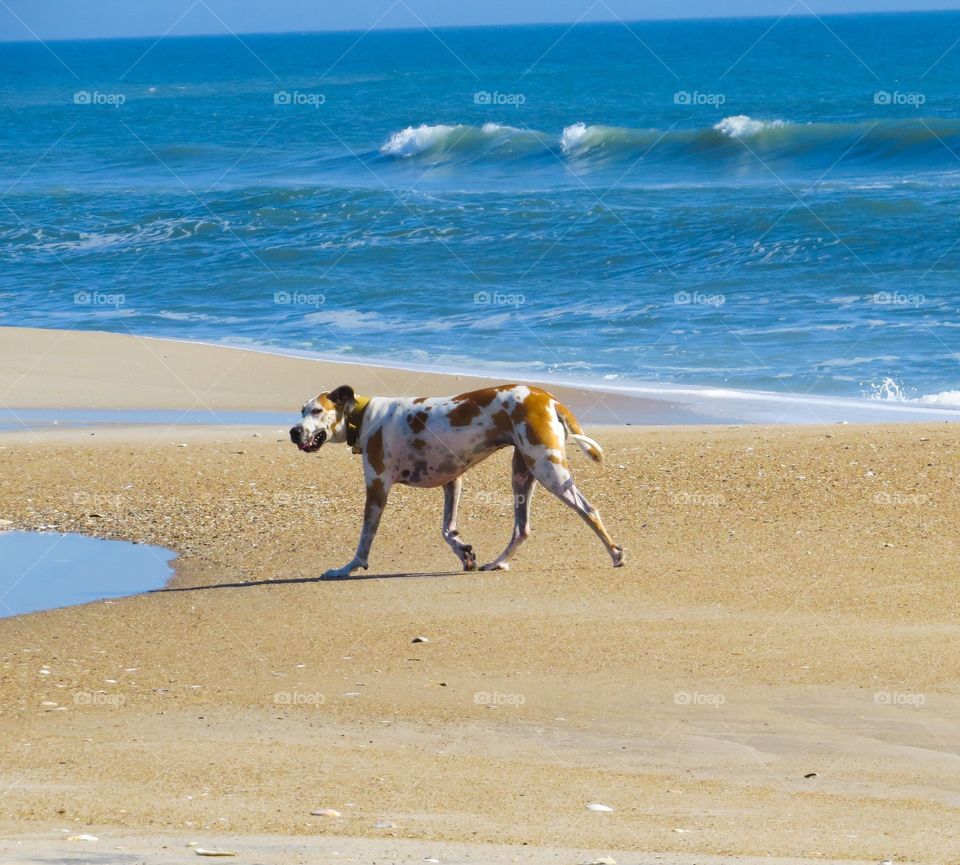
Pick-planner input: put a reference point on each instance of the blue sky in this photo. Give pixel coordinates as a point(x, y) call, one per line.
point(70, 19)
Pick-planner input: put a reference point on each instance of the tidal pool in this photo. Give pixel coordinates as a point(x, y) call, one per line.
point(45, 570)
point(49, 418)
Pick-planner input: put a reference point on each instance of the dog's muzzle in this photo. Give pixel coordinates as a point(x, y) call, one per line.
point(307, 442)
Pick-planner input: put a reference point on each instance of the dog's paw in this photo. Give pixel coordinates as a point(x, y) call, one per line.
point(469, 559)
point(338, 573)
point(619, 557)
point(495, 566)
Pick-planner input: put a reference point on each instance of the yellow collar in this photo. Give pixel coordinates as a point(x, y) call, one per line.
point(354, 419)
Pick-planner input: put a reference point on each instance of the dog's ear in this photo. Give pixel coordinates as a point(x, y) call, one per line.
point(343, 398)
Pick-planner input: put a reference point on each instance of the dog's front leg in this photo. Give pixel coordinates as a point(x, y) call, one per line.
point(377, 491)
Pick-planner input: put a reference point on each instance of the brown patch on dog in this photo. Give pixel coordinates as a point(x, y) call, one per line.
point(420, 399)
point(376, 495)
point(321, 399)
point(568, 419)
point(501, 422)
point(537, 411)
point(417, 421)
point(484, 396)
point(375, 450)
point(418, 444)
point(464, 413)
point(500, 431)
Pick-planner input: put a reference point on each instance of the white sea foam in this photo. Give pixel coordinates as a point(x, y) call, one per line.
point(889, 390)
point(356, 321)
point(948, 398)
point(417, 139)
point(575, 135)
point(742, 126)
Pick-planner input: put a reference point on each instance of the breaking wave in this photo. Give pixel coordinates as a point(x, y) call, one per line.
point(919, 144)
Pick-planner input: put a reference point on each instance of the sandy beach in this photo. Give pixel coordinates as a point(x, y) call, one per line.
point(774, 675)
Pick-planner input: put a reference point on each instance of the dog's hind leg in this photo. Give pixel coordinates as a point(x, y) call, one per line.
point(557, 478)
point(451, 501)
point(523, 483)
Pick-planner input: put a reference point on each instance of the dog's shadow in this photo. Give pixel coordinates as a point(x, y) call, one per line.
point(295, 580)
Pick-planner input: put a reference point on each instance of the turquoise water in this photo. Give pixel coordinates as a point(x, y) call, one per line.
point(761, 205)
point(41, 571)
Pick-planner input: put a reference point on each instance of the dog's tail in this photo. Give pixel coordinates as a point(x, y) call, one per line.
point(575, 434)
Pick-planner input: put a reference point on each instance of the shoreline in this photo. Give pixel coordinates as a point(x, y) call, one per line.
point(603, 402)
point(121, 371)
point(759, 404)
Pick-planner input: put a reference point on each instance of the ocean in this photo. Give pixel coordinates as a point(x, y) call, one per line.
point(757, 204)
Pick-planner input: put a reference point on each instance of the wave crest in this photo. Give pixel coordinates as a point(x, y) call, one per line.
point(742, 126)
point(442, 139)
point(414, 140)
point(915, 144)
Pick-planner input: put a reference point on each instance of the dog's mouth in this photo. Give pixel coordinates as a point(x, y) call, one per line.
point(314, 443)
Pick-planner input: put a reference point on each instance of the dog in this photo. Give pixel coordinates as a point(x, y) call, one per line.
point(432, 441)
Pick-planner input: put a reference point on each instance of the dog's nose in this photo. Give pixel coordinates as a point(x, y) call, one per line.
point(295, 434)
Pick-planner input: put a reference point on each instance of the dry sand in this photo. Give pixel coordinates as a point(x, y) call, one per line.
point(789, 609)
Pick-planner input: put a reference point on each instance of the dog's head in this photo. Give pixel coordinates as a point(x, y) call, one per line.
point(323, 419)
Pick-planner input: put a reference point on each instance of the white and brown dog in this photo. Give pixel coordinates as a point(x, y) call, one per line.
point(432, 441)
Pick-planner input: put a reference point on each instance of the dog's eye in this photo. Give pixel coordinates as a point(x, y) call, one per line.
point(315, 412)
